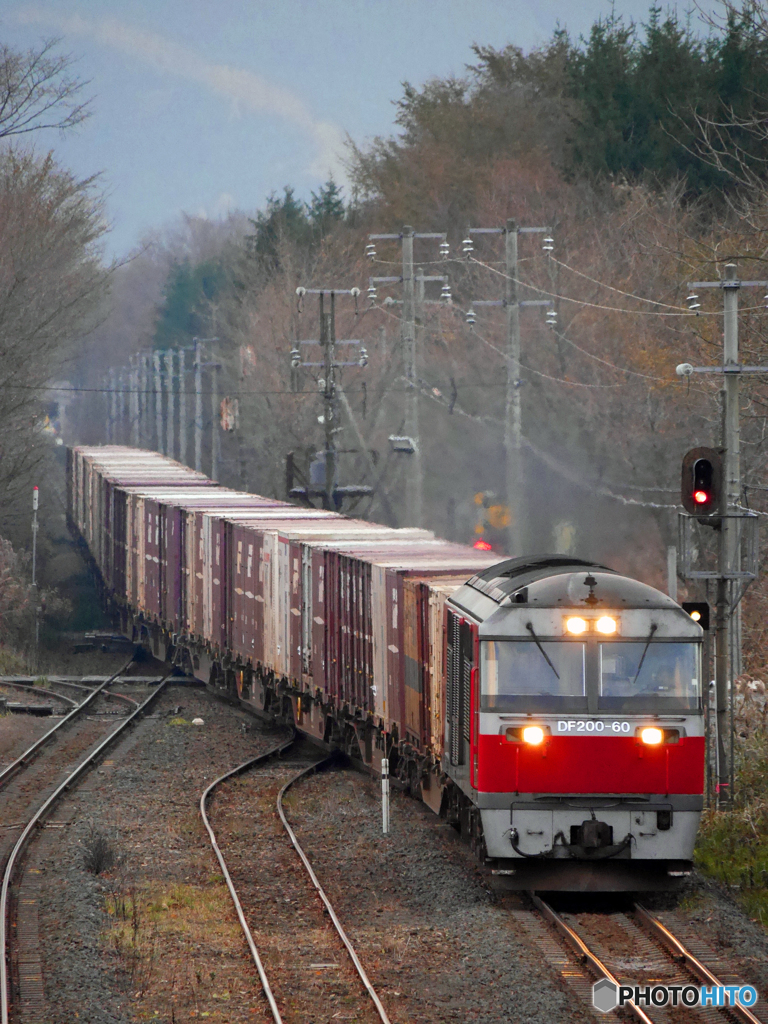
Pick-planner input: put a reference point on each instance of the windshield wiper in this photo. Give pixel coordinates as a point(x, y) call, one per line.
point(654, 627)
point(529, 627)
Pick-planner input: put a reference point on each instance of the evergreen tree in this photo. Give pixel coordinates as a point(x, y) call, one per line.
point(284, 220)
point(327, 207)
point(187, 291)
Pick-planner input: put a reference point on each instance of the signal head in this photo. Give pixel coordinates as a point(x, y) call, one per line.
point(701, 481)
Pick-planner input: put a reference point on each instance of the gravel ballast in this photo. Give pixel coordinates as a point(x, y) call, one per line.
point(155, 936)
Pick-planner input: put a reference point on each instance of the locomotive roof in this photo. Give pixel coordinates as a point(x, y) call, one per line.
point(504, 578)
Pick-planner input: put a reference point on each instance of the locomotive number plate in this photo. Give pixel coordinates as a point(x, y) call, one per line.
point(599, 726)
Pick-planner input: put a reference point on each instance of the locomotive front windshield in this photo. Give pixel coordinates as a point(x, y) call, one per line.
point(539, 676)
point(640, 675)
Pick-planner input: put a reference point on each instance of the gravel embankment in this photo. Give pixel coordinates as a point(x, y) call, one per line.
point(437, 943)
point(155, 937)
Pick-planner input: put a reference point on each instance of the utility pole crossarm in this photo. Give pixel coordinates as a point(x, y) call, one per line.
point(728, 283)
point(685, 369)
point(501, 231)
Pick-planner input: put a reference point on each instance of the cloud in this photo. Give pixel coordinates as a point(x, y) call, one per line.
point(246, 90)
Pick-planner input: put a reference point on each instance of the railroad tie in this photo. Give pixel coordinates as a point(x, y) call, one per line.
point(27, 959)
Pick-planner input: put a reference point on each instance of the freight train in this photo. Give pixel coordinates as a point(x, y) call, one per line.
point(547, 707)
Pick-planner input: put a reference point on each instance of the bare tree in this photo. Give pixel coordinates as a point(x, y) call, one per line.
point(37, 91)
point(51, 282)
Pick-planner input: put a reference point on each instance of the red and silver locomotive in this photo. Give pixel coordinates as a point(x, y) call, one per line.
point(575, 733)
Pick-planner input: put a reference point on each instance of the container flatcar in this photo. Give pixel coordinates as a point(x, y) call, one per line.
point(548, 708)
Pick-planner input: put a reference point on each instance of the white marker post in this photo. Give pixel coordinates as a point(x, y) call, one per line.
point(385, 795)
point(35, 502)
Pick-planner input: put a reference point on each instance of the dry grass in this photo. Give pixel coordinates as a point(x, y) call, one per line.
point(733, 845)
point(180, 952)
point(12, 664)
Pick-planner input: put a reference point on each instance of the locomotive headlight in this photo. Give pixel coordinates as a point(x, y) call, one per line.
point(652, 736)
point(533, 734)
point(576, 625)
point(606, 625)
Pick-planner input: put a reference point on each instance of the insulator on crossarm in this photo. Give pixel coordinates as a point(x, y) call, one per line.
point(552, 317)
point(372, 293)
point(370, 251)
point(295, 358)
point(321, 383)
point(445, 294)
point(693, 301)
point(765, 299)
point(444, 249)
point(363, 356)
point(467, 246)
point(548, 245)
point(471, 318)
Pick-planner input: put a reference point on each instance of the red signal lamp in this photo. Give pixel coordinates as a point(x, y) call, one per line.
point(700, 497)
point(482, 545)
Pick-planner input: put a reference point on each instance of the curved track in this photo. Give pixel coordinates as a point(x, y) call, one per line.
point(39, 691)
point(24, 759)
point(6, 932)
point(257, 959)
point(659, 951)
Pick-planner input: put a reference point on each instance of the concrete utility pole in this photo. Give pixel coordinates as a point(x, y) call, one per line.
point(413, 480)
point(328, 342)
point(182, 356)
point(158, 388)
point(513, 419)
point(513, 413)
point(120, 404)
point(134, 400)
point(331, 493)
point(729, 530)
point(170, 405)
point(146, 425)
point(215, 421)
point(732, 520)
point(198, 406)
point(112, 417)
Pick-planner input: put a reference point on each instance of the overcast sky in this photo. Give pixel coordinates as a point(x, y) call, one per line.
point(206, 105)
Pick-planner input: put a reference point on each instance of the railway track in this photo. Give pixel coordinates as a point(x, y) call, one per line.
point(49, 696)
point(290, 985)
point(77, 712)
point(13, 930)
point(636, 948)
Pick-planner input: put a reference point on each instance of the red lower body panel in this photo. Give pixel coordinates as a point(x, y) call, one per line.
point(590, 764)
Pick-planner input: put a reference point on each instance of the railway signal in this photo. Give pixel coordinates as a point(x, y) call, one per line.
point(736, 526)
point(701, 487)
point(699, 612)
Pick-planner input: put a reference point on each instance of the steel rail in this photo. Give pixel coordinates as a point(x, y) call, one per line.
point(244, 767)
point(37, 818)
point(662, 934)
point(6, 773)
point(57, 681)
point(28, 688)
point(331, 912)
point(583, 952)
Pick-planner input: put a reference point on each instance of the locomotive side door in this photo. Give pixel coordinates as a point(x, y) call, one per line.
point(461, 646)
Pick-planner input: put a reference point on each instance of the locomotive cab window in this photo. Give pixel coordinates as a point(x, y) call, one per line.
point(649, 676)
point(540, 677)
